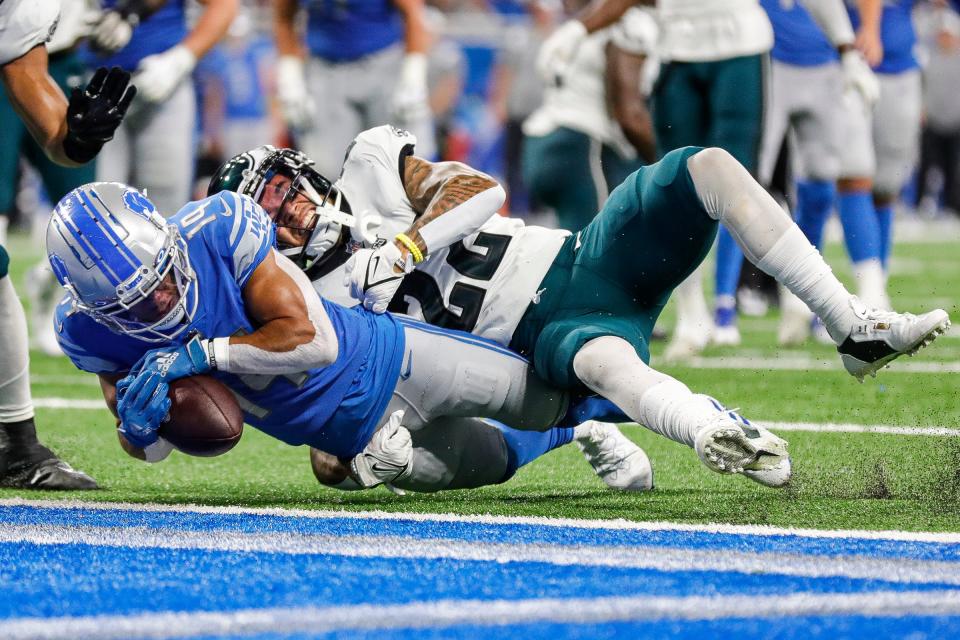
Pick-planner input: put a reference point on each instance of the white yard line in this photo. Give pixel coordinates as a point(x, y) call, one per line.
point(447, 613)
point(811, 363)
point(609, 525)
point(829, 427)
point(657, 558)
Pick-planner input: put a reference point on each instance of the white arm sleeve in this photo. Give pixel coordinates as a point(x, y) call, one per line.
point(464, 219)
point(319, 352)
point(832, 17)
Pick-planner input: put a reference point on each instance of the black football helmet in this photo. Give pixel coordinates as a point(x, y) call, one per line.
point(329, 228)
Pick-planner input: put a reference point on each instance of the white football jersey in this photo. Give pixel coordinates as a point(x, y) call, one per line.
point(24, 24)
point(482, 284)
point(580, 102)
point(707, 30)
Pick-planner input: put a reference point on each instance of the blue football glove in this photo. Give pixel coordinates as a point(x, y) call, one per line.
point(174, 363)
point(142, 404)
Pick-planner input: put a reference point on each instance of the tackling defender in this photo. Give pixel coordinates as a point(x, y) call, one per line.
point(71, 133)
point(580, 306)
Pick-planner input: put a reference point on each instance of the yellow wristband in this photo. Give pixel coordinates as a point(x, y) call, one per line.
point(411, 247)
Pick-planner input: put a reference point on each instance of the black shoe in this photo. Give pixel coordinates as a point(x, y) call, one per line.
point(52, 474)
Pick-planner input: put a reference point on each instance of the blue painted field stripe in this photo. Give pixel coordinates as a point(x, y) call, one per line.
point(89, 579)
point(792, 628)
point(481, 532)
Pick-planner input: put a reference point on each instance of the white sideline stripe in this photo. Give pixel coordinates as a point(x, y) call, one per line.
point(608, 525)
point(832, 427)
point(446, 613)
point(72, 403)
point(904, 571)
point(68, 403)
point(804, 363)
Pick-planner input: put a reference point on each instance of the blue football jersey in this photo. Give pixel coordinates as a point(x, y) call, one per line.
point(345, 30)
point(162, 30)
point(797, 39)
point(334, 408)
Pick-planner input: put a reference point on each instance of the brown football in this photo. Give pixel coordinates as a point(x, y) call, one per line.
point(205, 419)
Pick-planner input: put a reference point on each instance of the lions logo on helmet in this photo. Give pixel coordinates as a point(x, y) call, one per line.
point(331, 224)
point(111, 249)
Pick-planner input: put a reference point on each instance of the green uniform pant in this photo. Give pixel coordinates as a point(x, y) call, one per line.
point(67, 71)
point(615, 276)
point(572, 173)
point(712, 104)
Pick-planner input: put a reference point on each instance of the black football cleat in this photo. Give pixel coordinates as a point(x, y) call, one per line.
point(52, 474)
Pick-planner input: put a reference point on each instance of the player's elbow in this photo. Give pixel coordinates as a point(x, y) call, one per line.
point(314, 347)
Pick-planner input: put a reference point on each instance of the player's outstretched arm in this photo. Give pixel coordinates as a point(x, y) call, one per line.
point(294, 333)
point(624, 71)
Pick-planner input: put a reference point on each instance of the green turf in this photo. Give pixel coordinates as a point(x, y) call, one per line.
point(841, 480)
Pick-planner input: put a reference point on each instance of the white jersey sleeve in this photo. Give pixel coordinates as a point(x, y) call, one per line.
point(24, 25)
point(372, 181)
point(484, 283)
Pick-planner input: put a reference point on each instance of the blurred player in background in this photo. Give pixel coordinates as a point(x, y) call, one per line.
point(940, 147)
point(710, 92)
point(238, 79)
point(814, 63)
point(70, 133)
point(68, 71)
point(155, 148)
point(593, 129)
point(360, 65)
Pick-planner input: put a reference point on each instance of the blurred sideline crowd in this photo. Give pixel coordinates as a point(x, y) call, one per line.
point(462, 75)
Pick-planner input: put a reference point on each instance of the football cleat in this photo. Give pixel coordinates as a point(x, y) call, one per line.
point(619, 462)
point(52, 474)
point(725, 331)
point(879, 337)
point(729, 443)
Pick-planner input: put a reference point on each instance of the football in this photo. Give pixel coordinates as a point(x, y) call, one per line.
point(205, 419)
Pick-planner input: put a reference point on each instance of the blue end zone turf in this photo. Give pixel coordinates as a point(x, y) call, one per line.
point(76, 572)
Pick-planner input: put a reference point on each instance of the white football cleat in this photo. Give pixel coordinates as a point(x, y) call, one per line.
point(731, 444)
point(617, 460)
point(726, 336)
point(879, 337)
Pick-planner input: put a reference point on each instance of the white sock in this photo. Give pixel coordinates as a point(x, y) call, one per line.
point(769, 238)
point(609, 366)
point(871, 283)
point(672, 410)
point(693, 317)
point(796, 264)
point(15, 402)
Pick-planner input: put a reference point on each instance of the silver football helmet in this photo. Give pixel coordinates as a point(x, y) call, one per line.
point(249, 172)
point(110, 249)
